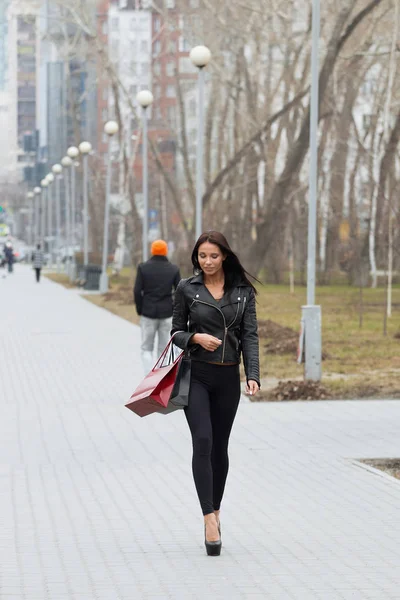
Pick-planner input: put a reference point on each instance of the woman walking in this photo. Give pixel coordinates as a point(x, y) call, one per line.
point(38, 261)
point(215, 317)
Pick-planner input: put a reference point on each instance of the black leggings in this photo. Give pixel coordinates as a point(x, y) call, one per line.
point(213, 402)
point(37, 274)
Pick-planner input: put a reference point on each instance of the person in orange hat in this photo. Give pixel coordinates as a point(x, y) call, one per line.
point(155, 282)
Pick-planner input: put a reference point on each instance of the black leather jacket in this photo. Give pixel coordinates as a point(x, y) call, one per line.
point(232, 319)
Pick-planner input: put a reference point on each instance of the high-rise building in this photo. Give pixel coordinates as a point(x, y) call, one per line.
point(67, 85)
point(3, 43)
point(129, 43)
point(22, 82)
point(4, 97)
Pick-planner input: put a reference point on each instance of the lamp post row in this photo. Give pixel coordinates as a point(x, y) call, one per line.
point(200, 57)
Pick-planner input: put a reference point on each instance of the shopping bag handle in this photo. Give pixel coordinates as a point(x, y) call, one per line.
point(164, 353)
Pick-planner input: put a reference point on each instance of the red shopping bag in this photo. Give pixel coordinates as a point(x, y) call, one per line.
point(154, 392)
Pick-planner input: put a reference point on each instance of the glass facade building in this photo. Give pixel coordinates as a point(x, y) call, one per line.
point(3, 43)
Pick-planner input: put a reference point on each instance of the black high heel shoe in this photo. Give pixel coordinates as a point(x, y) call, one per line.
point(213, 548)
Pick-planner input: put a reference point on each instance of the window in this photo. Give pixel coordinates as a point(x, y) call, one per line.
point(144, 46)
point(157, 23)
point(133, 67)
point(172, 46)
point(157, 91)
point(171, 92)
point(172, 115)
point(184, 45)
point(170, 69)
point(157, 47)
point(157, 68)
point(194, 3)
point(133, 90)
point(133, 23)
point(145, 68)
point(185, 65)
point(170, 3)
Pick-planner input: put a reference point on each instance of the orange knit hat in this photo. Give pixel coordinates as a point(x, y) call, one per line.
point(159, 248)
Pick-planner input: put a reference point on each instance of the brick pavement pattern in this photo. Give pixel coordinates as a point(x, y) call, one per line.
point(97, 504)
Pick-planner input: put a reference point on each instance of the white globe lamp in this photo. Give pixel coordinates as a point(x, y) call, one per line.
point(66, 161)
point(111, 128)
point(145, 98)
point(200, 56)
point(73, 152)
point(85, 147)
point(57, 169)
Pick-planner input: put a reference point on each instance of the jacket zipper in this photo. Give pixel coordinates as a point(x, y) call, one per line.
point(244, 305)
point(225, 327)
point(236, 316)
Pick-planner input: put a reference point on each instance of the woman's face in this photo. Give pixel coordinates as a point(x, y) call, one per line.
point(210, 258)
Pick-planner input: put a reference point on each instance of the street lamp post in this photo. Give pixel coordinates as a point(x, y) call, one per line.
point(73, 153)
point(30, 196)
point(50, 180)
point(110, 129)
point(66, 162)
point(200, 57)
point(44, 184)
point(145, 99)
point(37, 191)
point(311, 314)
point(57, 170)
point(85, 148)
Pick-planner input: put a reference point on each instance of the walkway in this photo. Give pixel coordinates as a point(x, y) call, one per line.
point(97, 504)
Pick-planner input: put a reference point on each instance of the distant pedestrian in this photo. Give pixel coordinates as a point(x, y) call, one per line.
point(38, 261)
point(155, 281)
point(9, 256)
point(3, 263)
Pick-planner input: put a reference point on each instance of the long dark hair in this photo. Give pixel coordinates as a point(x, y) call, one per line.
point(234, 271)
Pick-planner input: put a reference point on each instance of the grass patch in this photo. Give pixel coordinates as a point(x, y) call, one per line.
point(351, 350)
point(60, 278)
point(391, 466)
point(119, 298)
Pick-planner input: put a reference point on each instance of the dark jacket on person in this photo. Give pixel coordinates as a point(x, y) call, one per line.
point(232, 319)
point(155, 281)
point(9, 254)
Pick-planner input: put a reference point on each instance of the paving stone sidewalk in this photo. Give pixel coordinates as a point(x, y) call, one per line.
point(97, 504)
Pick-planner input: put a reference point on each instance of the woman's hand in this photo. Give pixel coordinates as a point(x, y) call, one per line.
point(208, 342)
point(252, 387)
